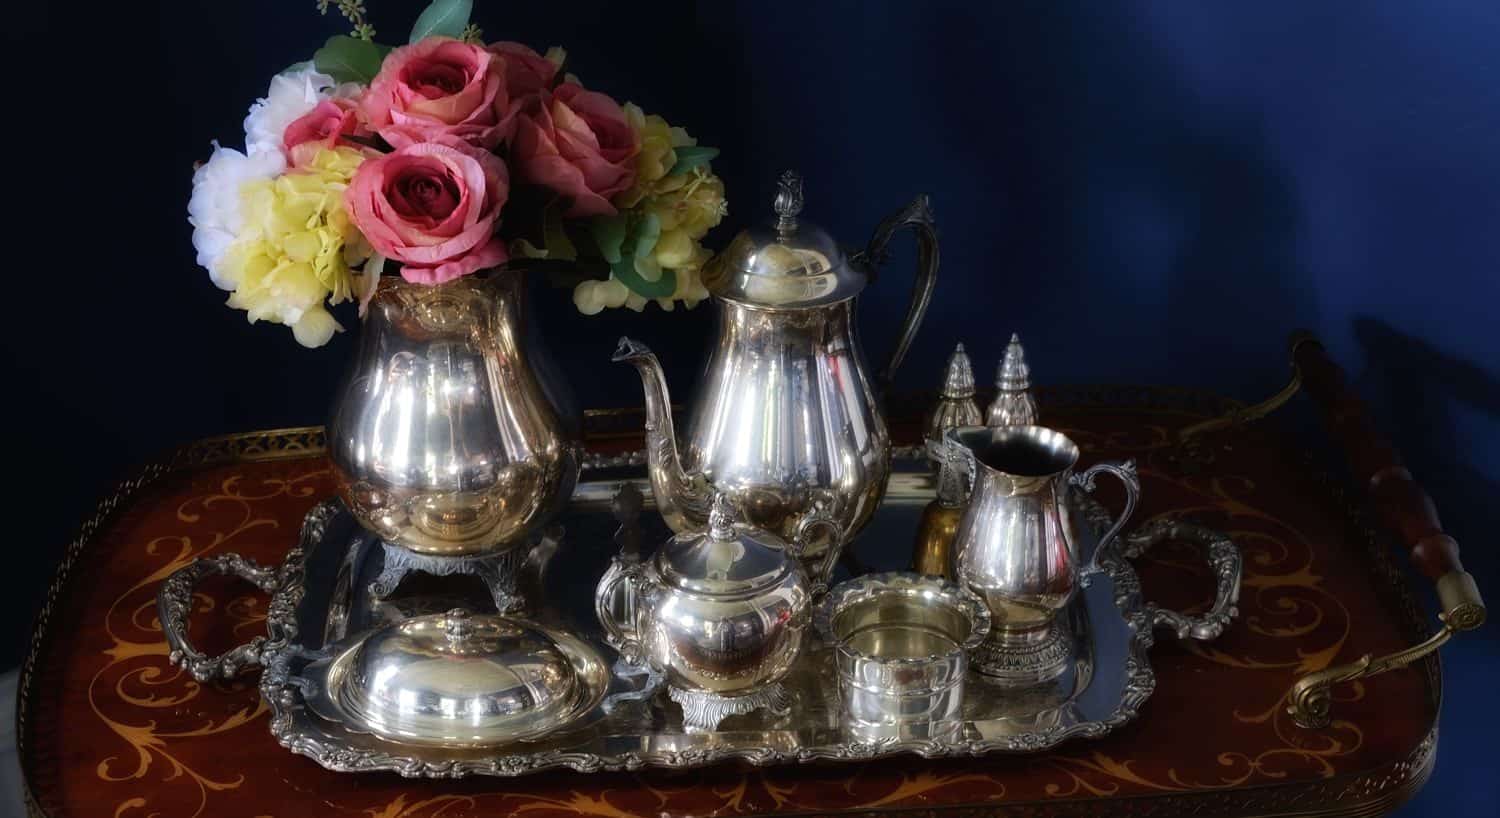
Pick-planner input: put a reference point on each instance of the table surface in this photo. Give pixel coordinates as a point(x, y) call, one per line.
point(109, 727)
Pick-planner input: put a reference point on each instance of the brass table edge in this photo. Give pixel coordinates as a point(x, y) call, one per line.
point(308, 441)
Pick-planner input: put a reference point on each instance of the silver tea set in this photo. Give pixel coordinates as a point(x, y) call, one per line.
point(453, 448)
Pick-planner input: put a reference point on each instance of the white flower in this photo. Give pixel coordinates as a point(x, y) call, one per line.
point(214, 208)
point(291, 96)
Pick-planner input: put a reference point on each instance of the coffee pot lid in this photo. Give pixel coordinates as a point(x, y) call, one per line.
point(727, 558)
point(786, 263)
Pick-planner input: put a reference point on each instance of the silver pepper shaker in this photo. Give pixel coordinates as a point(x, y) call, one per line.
point(1014, 404)
point(956, 407)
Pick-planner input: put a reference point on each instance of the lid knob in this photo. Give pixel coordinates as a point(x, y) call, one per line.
point(721, 518)
point(788, 201)
point(458, 627)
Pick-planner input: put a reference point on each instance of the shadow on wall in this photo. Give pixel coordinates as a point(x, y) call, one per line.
point(1129, 210)
point(1431, 400)
point(1435, 404)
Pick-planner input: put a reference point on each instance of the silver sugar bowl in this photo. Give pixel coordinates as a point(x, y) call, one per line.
point(718, 615)
point(901, 643)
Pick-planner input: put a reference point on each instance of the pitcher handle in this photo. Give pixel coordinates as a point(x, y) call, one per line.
point(1125, 471)
point(174, 602)
point(917, 216)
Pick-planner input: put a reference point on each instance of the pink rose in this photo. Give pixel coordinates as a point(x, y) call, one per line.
point(323, 126)
point(440, 87)
point(577, 143)
point(526, 72)
point(433, 206)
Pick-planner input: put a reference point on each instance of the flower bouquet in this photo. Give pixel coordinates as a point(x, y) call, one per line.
point(439, 159)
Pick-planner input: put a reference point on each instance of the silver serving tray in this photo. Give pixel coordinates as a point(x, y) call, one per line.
point(315, 606)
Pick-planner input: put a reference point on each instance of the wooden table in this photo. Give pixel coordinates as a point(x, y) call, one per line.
point(109, 728)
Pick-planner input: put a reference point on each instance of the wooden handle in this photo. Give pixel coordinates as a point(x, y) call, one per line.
point(1398, 500)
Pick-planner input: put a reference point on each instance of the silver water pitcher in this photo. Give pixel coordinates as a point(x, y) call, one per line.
point(787, 418)
point(1016, 547)
point(450, 438)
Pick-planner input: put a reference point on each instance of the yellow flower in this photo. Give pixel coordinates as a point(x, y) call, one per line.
point(658, 142)
point(297, 247)
point(694, 206)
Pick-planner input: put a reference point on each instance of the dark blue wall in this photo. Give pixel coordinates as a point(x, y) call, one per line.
point(1148, 191)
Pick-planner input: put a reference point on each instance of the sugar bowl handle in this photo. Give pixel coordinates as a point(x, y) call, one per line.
point(615, 604)
point(916, 216)
point(822, 516)
point(174, 602)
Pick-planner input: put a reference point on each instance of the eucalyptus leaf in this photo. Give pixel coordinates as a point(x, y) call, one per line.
point(690, 157)
point(647, 231)
point(609, 234)
point(663, 287)
point(348, 59)
point(444, 18)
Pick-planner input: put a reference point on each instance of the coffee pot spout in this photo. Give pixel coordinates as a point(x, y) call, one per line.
point(681, 498)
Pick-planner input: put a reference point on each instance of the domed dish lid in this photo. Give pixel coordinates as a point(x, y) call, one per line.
point(726, 559)
point(787, 263)
point(460, 679)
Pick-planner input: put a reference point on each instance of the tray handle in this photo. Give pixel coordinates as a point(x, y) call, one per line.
point(1401, 506)
point(174, 602)
point(1223, 557)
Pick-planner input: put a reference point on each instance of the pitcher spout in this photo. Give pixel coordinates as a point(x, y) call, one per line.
point(681, 498)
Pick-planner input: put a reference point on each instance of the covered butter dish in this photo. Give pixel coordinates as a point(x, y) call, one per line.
point(459, 679)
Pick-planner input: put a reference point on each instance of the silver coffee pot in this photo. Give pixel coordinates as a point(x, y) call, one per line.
point(786, 419)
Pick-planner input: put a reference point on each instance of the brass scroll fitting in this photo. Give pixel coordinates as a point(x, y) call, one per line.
point(1195, 455)
point(1310, 700)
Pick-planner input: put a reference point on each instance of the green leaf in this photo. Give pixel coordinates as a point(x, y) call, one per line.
point(347, 59)
point(646, 234)
point(663, 287)
point(609, 234)
point(444, 18)
point(690, 157)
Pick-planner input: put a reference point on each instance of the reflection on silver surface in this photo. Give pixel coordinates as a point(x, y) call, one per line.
point(1108, 679)
point(446, 438)
point(785, 417)
point(459, 679)
point(1016, 545)
point(901, 644)
point(719, 614)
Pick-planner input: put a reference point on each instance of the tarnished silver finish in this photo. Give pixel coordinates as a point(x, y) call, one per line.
point(786, 416)
point(1108, 679)
point(499, 572)
point(718, 614)
point(1014, 405)
point(447, 438)
point(458, 679)
point(901, 644)
point(1015, 545)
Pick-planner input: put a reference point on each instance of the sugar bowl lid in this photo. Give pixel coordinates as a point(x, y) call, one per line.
point(461, 679)
point(787, 263)
point(727, 558)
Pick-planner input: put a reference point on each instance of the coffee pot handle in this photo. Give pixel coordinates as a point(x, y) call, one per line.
point(1125, 471)
point(917, 216)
